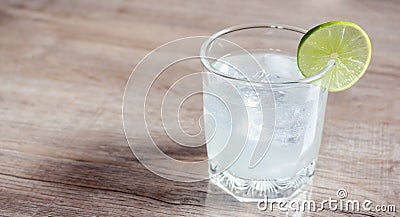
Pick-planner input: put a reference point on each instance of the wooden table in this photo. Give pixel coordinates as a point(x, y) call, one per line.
point(64, 66)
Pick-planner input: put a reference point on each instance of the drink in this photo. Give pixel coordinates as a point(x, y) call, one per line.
point(298, 111)
point(263, 119)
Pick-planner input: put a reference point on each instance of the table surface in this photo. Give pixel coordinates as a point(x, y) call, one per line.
point(64, 66)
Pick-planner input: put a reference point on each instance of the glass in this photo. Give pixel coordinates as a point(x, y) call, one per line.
point(263, 120)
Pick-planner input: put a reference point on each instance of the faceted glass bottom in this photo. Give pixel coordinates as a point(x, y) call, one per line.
point(255, 190)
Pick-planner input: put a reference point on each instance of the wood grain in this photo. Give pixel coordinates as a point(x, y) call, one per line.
point(64, 66)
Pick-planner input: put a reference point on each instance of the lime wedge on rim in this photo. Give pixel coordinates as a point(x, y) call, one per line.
point(345, 43)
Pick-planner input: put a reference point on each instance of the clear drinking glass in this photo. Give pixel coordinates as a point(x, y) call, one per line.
point(263, 119)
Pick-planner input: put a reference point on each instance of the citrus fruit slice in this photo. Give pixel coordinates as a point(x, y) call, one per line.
point(345, 43)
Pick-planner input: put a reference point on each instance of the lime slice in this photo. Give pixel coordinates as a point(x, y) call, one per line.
point(345, 43)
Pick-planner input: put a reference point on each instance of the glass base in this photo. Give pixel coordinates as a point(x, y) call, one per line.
point(255, 190)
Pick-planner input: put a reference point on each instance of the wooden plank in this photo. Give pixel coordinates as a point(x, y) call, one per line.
point(64, 65)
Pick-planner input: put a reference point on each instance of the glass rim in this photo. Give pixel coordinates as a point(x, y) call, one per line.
point(205, 46)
